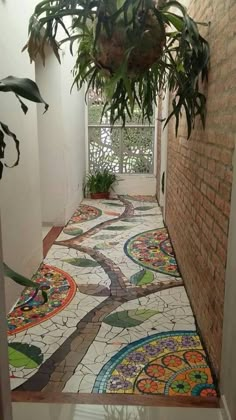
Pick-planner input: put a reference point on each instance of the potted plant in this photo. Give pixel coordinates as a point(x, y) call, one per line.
point(130, 50)
point(98, 184)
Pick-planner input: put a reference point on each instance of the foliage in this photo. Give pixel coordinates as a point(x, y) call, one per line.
point(82, 262)
point(118, 228)
point(22, 281)
point(24, 355)
point(22, 88)
point(131, 50)
point(142, 277)
point(100, 181)
point(128, 319)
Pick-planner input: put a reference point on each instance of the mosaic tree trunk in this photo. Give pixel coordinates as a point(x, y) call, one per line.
point(58, 369)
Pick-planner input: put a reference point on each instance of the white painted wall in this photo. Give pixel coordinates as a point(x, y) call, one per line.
point(73, 111)
point(61, 139)
point(51, 141)
point(140, 184)
point(228, 365)
point(19, 189)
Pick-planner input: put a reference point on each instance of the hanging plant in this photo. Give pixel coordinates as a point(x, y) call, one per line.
point(27, 89)
point(131, 51)
point(22, 88)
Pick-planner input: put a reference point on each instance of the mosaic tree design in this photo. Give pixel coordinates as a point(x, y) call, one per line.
point(154, 251)
point(77, 344)
point(172, 363)
point(31, 310)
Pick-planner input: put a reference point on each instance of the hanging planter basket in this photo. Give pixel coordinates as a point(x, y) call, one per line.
point(115, 50)
point(131, 51)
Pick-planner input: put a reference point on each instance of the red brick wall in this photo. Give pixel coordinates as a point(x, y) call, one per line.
point(200, 177)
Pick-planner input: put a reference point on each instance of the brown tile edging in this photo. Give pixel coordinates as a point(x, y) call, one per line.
point(50, 238)
point(114, 399)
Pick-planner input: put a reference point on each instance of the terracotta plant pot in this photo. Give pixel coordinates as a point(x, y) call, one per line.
point(101, 195)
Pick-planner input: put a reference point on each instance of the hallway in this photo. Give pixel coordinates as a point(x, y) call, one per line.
point(118, 319)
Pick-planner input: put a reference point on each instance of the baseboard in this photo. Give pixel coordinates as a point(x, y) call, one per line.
point(225, 409)
point(115, 399)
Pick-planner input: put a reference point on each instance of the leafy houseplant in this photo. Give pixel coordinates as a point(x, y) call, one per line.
point(22, 88)
point(130, 50)
point(98, 184)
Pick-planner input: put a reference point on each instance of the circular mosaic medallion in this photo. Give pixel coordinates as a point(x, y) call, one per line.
point(85, 213)
point(31, 310)
point(171, 363)
point(153, 250)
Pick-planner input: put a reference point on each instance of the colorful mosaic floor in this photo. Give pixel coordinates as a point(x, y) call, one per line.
point(117, 318)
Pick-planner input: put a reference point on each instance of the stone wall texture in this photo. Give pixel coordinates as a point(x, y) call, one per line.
point(199, 178)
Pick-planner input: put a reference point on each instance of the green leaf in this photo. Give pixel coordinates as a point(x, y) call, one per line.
point(175, 4)
point(6, 130)
point(25, 88)
point(113, 204)
point(1, 169)
point(102, 245)
point(18, 278)
point(82, 262)
point(24, 355)
point(131, 220)
point(127, 319)
point(72, 232)
point(104, 237)
point(142, 277)
point(144, 208)
point(175, 20)
point(105, 245)
point(118, 228)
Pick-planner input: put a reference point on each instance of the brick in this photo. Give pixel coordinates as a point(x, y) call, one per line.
point(225, 191)
point(226, 157)
point(211, 195)
point(203, 188)
point(211, 165)
point(228, 176)
point(220, 203)
point(220, 170)
point(211, 180)
point(200, 179)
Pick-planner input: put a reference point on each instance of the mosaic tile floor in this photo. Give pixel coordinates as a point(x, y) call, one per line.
point(117, 319)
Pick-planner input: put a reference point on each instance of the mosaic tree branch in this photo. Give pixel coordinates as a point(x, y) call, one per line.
point(89, 346)
point(128, 212)
point(118, 279)
point(57, 370)
point(63, 363)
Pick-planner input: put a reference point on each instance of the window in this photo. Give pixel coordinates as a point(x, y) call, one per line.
point(126, 150)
